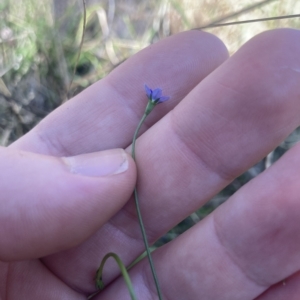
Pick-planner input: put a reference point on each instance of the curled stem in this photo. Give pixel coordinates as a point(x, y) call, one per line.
point(99, 281)
point(149, 108)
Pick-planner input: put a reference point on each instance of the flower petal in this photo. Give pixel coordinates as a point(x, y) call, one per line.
point(156, 94)
point(163, 99)
point(148, 91)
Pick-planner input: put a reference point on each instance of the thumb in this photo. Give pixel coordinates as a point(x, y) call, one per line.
point(48, 204)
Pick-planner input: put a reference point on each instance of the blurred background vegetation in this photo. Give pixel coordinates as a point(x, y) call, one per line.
point(40, 41)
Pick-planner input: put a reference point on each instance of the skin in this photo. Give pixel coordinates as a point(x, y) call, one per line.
point(225, 114)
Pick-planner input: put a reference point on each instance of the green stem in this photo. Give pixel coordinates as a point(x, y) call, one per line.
point(149, 108)
point(135, 136)
point(99, 282)
point(80, 49)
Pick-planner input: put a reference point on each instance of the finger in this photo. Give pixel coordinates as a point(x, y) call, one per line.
point(105, 115)
point(288, 288)
point(32, 280)
point(49, 204)
point(248, 244)
point(230, 121)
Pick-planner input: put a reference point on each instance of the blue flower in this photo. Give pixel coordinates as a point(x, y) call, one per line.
point(155, 96)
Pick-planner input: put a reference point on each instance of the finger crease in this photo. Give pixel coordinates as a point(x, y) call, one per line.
point(231, 257)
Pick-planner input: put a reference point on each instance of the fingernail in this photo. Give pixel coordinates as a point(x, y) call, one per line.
point(98, 164)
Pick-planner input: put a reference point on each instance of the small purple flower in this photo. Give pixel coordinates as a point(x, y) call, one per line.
point(155, 96)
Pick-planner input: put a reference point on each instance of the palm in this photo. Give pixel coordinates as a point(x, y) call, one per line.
point(32, 280)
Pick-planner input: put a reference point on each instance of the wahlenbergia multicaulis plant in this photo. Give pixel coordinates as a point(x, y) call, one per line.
point(154, 97)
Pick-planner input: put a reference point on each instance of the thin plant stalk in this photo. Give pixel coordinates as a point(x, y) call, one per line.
point(137, 205)
point(99, 281)
point(154, 97)
point(80, 48)
point(247, 21)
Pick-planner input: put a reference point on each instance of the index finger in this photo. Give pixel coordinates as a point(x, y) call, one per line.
point(105, 115)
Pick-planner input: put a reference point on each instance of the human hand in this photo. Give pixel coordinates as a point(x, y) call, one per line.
point(228, 122)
